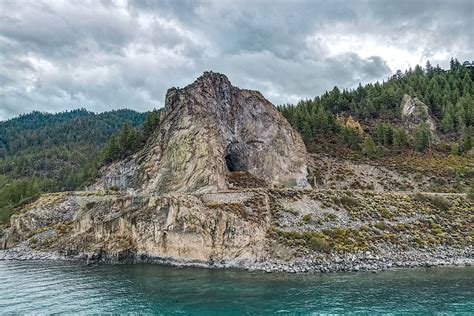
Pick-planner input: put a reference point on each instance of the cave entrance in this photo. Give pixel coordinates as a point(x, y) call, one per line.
point(237, 162)
point(235, 158)
point(232, 163)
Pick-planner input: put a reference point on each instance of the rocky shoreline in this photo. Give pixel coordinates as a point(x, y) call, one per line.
point(362, 261)
point(273, 231)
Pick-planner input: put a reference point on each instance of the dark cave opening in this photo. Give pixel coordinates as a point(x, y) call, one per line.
point(236, 158)
point(232, 163)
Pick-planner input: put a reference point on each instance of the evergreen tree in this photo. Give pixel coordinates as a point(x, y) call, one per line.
point(111, 150)
point(351, 137)
point(152, 120)
point(369, 149)
point(428, 68)
point(400, 139)
point(447, 122)
point(422, 138)
point(383, 134)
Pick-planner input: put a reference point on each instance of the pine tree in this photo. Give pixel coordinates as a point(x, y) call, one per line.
point(447, 122)
point(422, 137)
point(111, 150)
point(151, 122)
point(369, 149)
point(124, 137)
point(428, 68)
point(400, 139)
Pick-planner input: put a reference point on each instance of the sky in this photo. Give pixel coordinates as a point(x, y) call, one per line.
point(102, 55)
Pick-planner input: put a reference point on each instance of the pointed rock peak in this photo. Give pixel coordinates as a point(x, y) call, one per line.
point(213, 78)
point(213, 137)
point(212, 84)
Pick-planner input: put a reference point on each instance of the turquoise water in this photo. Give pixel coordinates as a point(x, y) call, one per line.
point(52, 287)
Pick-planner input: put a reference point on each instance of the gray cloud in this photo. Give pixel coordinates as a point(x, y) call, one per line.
point(58, 55)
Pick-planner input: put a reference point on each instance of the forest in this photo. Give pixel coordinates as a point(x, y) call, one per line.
point(367, 119)
point(41, 152)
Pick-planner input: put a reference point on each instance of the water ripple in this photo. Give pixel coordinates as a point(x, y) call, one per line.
point(67, 287)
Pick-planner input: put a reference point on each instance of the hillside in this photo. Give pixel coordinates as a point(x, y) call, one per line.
point(357, 139)
point(271, 230)
point(223, 180)
point(377, 109)
point(41, 152)
point(416, 130)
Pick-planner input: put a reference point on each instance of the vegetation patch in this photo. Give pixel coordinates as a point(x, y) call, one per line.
point(437, 200)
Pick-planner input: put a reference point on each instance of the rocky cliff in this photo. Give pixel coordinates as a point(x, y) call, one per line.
point(273, 230)
point(222, 183)
point(211, 133)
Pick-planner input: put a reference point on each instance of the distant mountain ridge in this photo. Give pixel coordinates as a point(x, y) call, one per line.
point(43, 152)
point(40, 129)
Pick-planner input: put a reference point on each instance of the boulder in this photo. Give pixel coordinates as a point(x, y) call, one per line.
point(414, 113)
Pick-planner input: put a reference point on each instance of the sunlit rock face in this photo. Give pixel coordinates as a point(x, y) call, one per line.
point(210, 134)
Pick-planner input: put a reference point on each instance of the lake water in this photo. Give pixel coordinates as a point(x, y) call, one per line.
point(56, 287)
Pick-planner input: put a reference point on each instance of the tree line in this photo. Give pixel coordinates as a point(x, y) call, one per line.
point(447, 93)
point(41, 152)
point(128, 140)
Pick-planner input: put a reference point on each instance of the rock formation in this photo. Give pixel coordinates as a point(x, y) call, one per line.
point(415, 112)
point(211, 133)
point(269, 229)
point(182, 201)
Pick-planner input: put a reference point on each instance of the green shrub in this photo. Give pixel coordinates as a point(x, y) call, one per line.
point(437, 200)
point(90, 205)
point(454, 149)
point(307, 218)
point(402, 187)
point(470, 194)
point(440, 202)
point(348, 201)
point(319, 244)
point(380, 225)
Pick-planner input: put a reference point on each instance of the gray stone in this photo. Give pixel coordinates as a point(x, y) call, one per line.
point(212, 137)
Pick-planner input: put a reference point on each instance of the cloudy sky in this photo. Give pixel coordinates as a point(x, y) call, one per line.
point(101, 55)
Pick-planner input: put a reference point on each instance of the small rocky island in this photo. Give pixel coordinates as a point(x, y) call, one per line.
point(224, 181)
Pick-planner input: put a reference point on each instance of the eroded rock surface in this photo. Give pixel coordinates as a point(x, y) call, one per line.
point(181, 200)
point(273, 230)
point(209, 130)
point(415, 112)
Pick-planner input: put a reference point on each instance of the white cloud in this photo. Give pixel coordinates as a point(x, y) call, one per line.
point(58, 55)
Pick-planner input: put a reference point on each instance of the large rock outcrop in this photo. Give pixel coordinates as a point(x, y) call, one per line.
point(210, 134)
point(414, 113)
point(215, 137)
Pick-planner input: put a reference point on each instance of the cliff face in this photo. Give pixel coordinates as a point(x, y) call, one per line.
point(289, 230)
point(206, 228)
point(210, 133)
